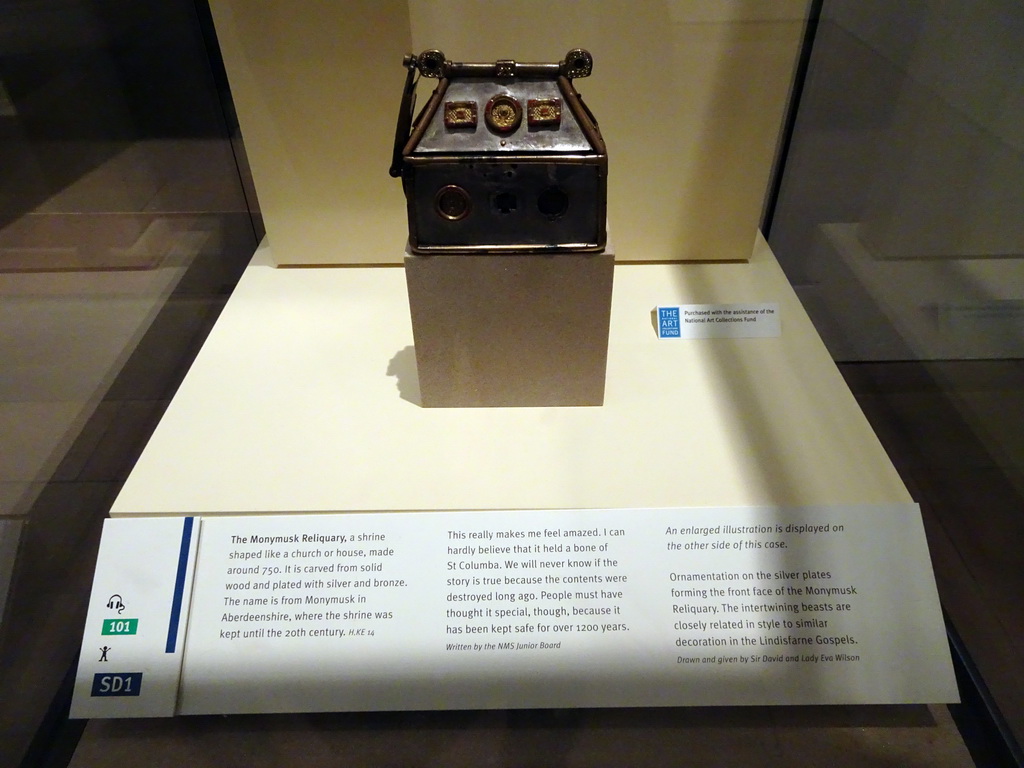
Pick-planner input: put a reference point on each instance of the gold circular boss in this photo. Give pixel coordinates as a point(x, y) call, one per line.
point(503, 114)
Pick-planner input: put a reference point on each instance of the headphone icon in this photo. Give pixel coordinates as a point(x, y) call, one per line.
point(116, 603)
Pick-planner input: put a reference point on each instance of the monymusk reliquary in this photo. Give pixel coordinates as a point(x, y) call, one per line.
point(504, 158)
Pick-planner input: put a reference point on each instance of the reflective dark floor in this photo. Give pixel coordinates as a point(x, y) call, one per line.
point(952, 429)
point(898, 224)
point(123, 226)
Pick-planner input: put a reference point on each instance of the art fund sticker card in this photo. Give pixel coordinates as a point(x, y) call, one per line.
point(718, 321)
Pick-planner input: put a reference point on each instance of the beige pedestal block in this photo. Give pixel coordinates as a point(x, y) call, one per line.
point(502, 330)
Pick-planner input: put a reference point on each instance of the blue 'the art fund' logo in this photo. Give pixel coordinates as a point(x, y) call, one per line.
point(668, 322)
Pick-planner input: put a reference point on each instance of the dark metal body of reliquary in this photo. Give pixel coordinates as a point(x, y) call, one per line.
point(504, 158)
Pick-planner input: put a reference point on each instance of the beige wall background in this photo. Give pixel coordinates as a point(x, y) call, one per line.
point(690, 96)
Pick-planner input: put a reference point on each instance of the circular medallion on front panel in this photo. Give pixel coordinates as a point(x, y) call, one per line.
point(503, 113)
point(452, 203)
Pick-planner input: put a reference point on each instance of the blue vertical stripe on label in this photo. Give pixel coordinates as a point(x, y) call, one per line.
point(179, 585)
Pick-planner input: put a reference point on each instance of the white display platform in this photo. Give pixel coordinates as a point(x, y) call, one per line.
point(303, 399)
point(584, 532)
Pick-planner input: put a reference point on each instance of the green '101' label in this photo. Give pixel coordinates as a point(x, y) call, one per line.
point(120, 626)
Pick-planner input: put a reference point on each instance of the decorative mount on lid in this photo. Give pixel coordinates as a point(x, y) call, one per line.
point(432, 63)
point(530, 176)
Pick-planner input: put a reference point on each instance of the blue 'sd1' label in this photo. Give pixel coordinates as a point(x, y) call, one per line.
point(116, 684)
